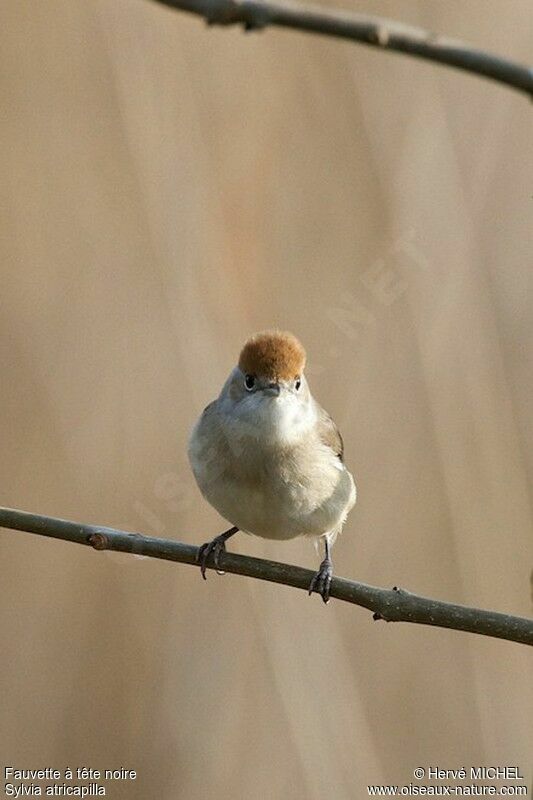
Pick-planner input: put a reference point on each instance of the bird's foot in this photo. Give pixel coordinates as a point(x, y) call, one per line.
point(322, 580)
point(216, 546)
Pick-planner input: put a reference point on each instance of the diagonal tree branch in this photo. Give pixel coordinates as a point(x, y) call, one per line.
point(392, 605)
point(369, 30)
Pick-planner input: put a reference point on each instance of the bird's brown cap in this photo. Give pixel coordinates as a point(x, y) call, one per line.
point(274, 355)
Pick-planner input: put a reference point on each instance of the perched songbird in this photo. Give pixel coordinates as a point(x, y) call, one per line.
point(268, 457)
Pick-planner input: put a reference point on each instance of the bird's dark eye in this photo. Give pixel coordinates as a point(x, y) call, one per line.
point(297, 383)
point(249, 382)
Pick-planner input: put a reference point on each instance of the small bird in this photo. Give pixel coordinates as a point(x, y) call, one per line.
point(268, 458)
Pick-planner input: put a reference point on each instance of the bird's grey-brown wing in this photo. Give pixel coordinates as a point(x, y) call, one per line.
point(330, 434)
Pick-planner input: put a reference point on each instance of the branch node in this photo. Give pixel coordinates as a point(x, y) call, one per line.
point(382, 36)
point(399, 590)
point(98, 540)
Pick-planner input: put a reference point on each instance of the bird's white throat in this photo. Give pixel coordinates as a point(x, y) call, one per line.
point(282, 419)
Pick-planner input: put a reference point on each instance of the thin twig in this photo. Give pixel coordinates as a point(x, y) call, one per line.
point(375, 31)
point(392, 605)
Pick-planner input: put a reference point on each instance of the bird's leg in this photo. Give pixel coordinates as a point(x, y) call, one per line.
point(216, 546)
point(322, 579)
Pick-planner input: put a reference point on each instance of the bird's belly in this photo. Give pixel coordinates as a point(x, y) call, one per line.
point(283, 507)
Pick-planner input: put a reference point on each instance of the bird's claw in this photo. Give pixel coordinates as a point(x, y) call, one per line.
point(322, 580)
point(215, 546)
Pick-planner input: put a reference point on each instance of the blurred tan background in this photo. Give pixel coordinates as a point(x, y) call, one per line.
point(167, 189)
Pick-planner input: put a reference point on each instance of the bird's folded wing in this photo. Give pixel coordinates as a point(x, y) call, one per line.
point(329, 433)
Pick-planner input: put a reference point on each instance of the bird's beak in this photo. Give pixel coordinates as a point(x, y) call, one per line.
point(273, 389)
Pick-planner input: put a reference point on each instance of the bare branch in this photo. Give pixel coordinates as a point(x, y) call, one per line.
point(394, 605)
point(375, 31)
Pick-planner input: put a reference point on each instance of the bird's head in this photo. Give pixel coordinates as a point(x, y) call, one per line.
point(267, 393)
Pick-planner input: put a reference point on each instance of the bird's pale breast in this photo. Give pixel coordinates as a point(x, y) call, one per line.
point(273, 492)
